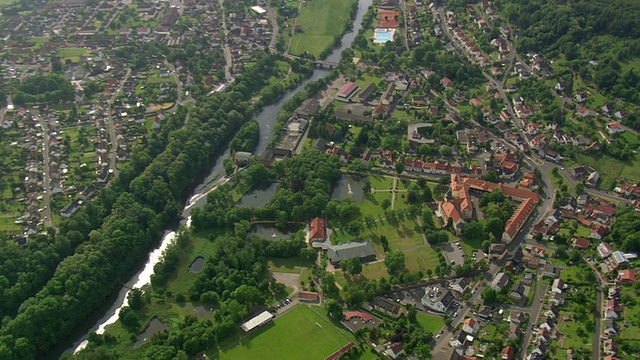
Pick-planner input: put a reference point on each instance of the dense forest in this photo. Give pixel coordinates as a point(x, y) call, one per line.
point(582, 32)
point(122, 224)
point(48, 88)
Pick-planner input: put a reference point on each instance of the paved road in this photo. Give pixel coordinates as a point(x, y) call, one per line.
point(113, 139)
point(274, 34)
point(534, 311)
point(227, 51)
point(46, 183)
point(597, 333)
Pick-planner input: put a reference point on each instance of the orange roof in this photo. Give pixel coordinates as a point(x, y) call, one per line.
point(627, 275)
point(308, 295)
point(507, 190)
point(450, 211)
point(388, 19)
point(470, 322)
point(520, 216)
point(581, 243)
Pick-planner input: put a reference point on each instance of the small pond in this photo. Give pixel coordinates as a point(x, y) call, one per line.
point(258, 198)
point(197, 264)
point(155, 326)
point(349, 186)
point(269, 232)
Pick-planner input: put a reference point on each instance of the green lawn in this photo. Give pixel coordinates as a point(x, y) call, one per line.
point(608, 167)
point(422, 259)
point(366, 79)
point(372, 204)
point(381, 182)
point(321, 21)
point(404, 235)
point(300, 334)
point(72, 54)
point(430, 323)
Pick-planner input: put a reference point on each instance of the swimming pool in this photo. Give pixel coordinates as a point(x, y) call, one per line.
point(381, 36)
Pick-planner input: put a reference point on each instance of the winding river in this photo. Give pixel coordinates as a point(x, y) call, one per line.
point(267, 119)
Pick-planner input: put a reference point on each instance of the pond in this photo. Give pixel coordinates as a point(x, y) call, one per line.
point(197, 264)
point(349, 186)
point(269, 232)
point(258, 198)
point(155, 326)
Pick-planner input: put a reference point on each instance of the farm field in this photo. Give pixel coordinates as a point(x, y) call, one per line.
point(320, 22)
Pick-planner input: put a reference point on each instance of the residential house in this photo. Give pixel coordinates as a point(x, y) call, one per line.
point(386, 307)
point(460, 285)
point(599, 231)
point(500, 282)
point(581, 243)
point(515, 332)
point(627, 276)
point(557, 286)
point(517, 292)
point(609, 347)
point(395, 350)
point(508, 353)
point(516, 317)
point(604, 250)
point(557, 299)
point(611, 309)
point(437, 298)
point(609, 327)
point(550, 271)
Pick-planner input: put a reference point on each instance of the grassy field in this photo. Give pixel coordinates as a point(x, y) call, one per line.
point(321, 21)
point(301, 333)
point(381, 182)
point(72, 54)
point(608, 167)
point(430, 323)
point(372, 204)
point(422, 259)
point(403, 236)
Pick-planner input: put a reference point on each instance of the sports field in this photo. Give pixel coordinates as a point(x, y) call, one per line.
point(320, 21)
point(300, 334)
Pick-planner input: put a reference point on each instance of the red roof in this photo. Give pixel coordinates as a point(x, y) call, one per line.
point(581, 243)
point(446, 82)
point(308, 295)
point(348, 89)
point(351, 314)
point(507, 353)
point(317, 230)
point(627, 275)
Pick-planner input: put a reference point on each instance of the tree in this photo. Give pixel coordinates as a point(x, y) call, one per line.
point(399, 167)
point(579, 189)
point(489, 295)
point(473, 231)
point(491, 176)
point(352, 266)
point(394, 261)
point(135, 299)
point(334, 309)
point(575, 255)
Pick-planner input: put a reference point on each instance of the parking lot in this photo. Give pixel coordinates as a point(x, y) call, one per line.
point(453, 253)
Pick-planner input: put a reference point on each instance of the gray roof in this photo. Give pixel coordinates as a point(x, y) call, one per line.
point(346, 251)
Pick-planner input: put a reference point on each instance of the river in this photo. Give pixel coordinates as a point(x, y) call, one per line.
point(267, 119)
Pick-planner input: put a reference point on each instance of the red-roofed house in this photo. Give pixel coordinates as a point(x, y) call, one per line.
point(599, 231)
point(611, 309)
point(470, 326)
point(317, 230)
point(446, 82)
point(507, 353)
point(581, 243)
point(395, 350)
point(347, 91)
point(614, 127)
point(359, 314)
point(308, 296)
point(627, 276)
